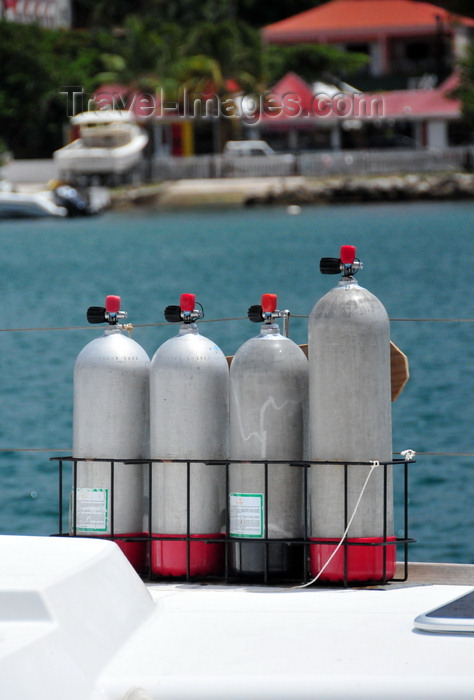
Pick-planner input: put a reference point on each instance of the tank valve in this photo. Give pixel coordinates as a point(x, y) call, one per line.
point(186, 311)
point(109, 314)
point(267, 312)
point(347, 263)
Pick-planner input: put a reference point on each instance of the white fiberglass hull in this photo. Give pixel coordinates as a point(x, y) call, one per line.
point(29, 204)
point(86, 160)
point(77, 616)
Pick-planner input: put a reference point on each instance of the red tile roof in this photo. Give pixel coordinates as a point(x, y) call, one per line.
point(292, 84)
point(360, 16)
point(418, 104)
point(294, 104)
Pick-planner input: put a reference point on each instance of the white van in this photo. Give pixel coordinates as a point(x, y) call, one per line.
point(248, 148)
point(255, 158)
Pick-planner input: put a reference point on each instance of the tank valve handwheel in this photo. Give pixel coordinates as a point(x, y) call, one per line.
point(173, 314)
point(267, 312)
point(347, 263)
point(255, 313)
point(96, 314)
point(110, 313)
point(185, 312)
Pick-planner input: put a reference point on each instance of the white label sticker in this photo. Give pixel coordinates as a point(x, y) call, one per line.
point(92, 509)
point(246, 515)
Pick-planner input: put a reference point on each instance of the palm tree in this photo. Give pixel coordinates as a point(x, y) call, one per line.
point(220, 61)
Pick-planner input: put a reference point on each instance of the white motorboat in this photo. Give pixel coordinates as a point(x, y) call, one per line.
point(109, 143)
point(59, 201)
point(28, 204)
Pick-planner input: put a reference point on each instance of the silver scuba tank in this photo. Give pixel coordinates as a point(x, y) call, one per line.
point(350, 421)
point(189, 410)
point(111, 424)
point(268, 421)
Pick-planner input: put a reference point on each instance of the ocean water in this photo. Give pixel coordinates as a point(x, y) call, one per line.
point(417, 260)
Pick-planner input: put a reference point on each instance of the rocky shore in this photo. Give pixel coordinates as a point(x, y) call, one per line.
point(437, 187)
point(287, 191)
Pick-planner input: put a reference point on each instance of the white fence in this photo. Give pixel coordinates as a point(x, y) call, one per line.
point(318, 164)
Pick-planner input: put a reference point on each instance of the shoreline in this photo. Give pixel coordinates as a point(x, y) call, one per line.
point(295, 190)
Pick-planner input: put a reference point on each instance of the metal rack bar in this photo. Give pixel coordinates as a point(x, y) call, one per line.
point(266, 541)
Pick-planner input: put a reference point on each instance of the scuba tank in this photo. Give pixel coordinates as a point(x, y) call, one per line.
point(350, 421)
point(189, 410)
point(110, 422)
point(268, 416)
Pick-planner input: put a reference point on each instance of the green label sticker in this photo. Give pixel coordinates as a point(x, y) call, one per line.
point(92, 509)
point(246, 515)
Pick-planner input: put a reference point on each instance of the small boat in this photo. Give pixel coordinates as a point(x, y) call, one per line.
point(28, 204)
point(109, 143)
point(60, 200)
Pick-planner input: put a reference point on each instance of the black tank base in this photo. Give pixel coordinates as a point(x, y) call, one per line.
point(272, 562)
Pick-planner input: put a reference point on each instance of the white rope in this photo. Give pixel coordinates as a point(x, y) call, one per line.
point(408, 455)
point(375, 463)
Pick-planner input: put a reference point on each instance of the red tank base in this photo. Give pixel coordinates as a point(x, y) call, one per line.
point(136, 552)
point(170, 558)
point(364, 562)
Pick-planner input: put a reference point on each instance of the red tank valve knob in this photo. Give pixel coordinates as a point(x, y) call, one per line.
point(187, 302)
point(112, 304)
point(269, 303)
point(347, 254)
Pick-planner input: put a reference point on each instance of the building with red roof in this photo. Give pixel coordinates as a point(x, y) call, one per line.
point(430, 115)
point(402, 37)
point(297, 116)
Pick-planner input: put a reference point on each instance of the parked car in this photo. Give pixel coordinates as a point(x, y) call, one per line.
point(255, 158)
point(248, 148)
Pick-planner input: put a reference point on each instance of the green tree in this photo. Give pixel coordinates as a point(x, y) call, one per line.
point(460, 7)
point(36, 64)
point(233, 45)
point(186, 13)
point(26, 87)
point(259, 14)
point(465, 90)
point(138, 54)
point(220, 59)
point(312, 61)
point(151, 44)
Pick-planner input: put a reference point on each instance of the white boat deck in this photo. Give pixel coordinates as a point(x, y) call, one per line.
point(77, 622)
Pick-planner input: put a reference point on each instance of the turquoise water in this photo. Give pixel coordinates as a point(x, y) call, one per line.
point(417, 260)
